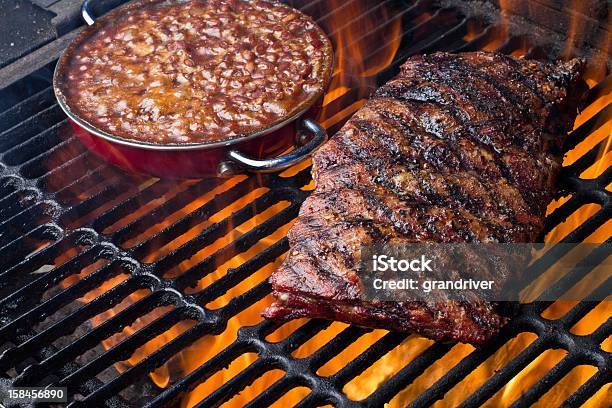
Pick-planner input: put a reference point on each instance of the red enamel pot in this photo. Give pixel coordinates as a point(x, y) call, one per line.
point(258, 151)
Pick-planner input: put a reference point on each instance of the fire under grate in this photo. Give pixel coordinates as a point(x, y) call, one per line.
point(69, 224)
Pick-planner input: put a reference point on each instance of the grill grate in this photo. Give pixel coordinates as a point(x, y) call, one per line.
point(62, 211)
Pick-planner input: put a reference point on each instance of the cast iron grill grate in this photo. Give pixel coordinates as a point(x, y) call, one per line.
point(62, 211)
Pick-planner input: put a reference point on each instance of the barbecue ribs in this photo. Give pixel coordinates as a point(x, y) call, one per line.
point(456, 148)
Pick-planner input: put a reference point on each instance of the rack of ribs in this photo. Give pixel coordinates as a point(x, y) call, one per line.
point(456, 148)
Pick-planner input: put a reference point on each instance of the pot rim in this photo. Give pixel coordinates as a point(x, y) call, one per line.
point(88, 31)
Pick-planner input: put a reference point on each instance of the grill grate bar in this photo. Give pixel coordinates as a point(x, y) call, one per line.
point(115, 189)
point(332, 16)
point(599, 90)
point(503, 376)
point(69, 324)
point(11, 201)
point(381, 6)
point(303, 334)
point(33, 125)
point(36, 284)
point(8, 184)
point(226, 253)
point(447, 37)
point(73, 292)
point(41, 146)
point(26, 108)
point(368, 357)
point(543, 385)
point(478, 42)
point(243, 301)
point(212, 232)
point(314, 400)
point(401, 15)
point(423, 35)
point(589, 388)
point(407, 374)
point(588, 127)
point(124, 318)
point(17, 155)
point(48, 180)
point(561, 213)
point(15, 230)
point(180, 200)
point(124, 349)
point(85, 387)
point(601, 334)
point(581, 309)
point(330, 349)
point(469, 363)
point(61, 153)
point(18, 201)
point(234, 276)
point(580, 165)
point(509, 45)
point(202, 373)
point(152, 192)
point(546, 339)
point(236, 384)
point(273, 393)
point(589, 226)
point(205, 238)
point(150, 362)
point(25, 87)
point(584, 267)
point(68, 191)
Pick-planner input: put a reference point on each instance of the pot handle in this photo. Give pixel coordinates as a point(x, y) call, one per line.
point(86, 12)
point(228, 168)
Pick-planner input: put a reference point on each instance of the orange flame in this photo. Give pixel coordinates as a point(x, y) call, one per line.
point(358, 55)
